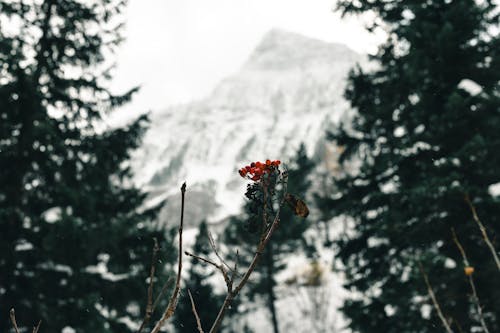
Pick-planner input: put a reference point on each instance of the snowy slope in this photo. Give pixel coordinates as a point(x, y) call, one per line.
point(288, 92)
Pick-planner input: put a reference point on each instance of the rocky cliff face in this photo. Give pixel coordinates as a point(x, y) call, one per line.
point(289, 92)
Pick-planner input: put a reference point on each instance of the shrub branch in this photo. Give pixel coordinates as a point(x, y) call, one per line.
point(149, 306)
point(483, 230)
point(12, 315)
point(265, 238)
point(197, 317)
point(172, 304)
point(471, 282)
point(434, 300)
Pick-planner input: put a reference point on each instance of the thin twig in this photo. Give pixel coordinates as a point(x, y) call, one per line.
point(210, 262)
point(234, 272)
point(460, 247)
point(457, 324)
point(235, 269)
point(434, 300)
point(149, 306)
point(172, 304)
point(167, 284)
point(258, 253)
point(214, 248)
point(37, 327)
point(483, 231)
point(13, 320)
point(260, 249)
point(198, 322)
point(471, 282)
point(478, 305)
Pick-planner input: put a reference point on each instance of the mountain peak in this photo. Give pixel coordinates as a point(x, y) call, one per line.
point(280, 49)
point(289, 92)
point(282, 38)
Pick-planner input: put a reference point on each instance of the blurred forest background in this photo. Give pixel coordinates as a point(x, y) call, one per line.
point(397, 155)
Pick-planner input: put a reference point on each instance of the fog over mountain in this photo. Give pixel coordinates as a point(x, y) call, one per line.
point(288, 92)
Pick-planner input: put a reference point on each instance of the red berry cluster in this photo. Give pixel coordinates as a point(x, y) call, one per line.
point(256, 170)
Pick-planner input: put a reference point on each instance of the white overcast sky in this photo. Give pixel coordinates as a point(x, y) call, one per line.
point(177, 50)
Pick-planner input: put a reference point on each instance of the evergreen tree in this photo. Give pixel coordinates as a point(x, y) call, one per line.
point(75, 242)
point(207, 302)
point(424, 139)
point(288, 239)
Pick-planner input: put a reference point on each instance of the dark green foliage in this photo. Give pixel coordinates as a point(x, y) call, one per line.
point(288, 238)
point(207, 302)
point(423, 142)
point(67, 204)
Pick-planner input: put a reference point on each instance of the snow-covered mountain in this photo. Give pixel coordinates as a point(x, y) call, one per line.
point(288, 92)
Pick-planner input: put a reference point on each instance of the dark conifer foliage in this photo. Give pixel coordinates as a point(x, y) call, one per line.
point(424, 140)
point(288, 239)
point(75, 242)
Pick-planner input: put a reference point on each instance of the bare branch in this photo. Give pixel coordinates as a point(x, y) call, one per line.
point(261, 246)
point(214, 248)
point(457, 324)
point(198, 323)
point(434, 300)
point(471, 282)
point(167, 284)
point(235, 269)
point(258, 253)
point(483, 231)
point(12, 314)
point(13, 320)
point(37, 327)
point(478, 304)
point(149, 306)
point(207, 261)
point(460, 248)
point(172, 304)
point(266, 236)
